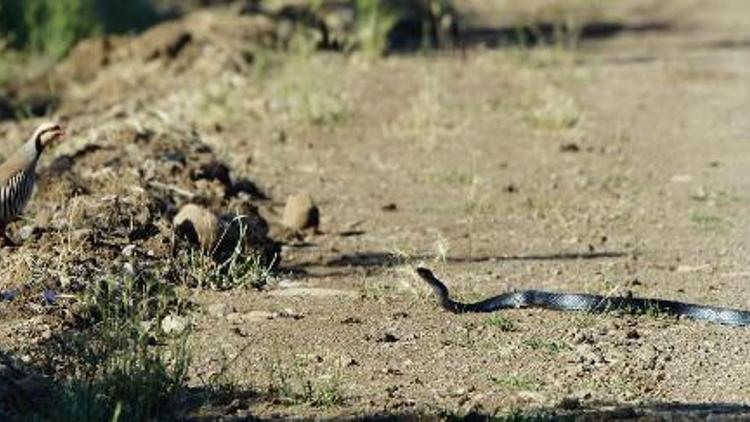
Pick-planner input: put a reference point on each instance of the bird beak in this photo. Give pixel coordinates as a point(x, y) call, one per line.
point(61, 132)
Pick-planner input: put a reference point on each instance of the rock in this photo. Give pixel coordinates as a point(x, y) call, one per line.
point(26, 232)
point(300, 213)
point(198, 225)
point(173, 324)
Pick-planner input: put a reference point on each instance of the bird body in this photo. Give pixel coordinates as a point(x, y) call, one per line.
point(18, 174)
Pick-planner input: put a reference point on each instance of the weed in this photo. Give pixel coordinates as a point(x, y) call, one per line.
point(226, 267)
point(710, 223)
point(222, 386)
point(239, 271)
point(295, 386)
point(375, 20)
point(442, 246)
point(124, 365)
point(306, 95)
point(448, 177)
point(504, 324)
point(52, 27)
point(428, 118)
point(554, 110)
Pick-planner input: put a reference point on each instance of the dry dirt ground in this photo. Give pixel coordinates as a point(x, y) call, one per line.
point(619, 166)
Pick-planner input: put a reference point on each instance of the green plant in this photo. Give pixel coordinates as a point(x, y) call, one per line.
point(52, 27)
point(240, 269)
point(123, 366)
point(375, 21)
point(295, 386)
point(504, 324)
point(710, 223)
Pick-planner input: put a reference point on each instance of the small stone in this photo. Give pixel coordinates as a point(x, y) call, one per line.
point(458, 392)
point(26, 232)
point(128, 250)
point(173, 324)
point(219, 310)
point(49, 296)
point(346, 362)
point(388, 338)
point(570, 147)
point(257, 316)
point(300, 213)
point(351, 320)
point(633, 334)
point(681, 178)
point(289, 313)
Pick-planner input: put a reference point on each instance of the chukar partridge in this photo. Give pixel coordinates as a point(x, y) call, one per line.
point(18, 174)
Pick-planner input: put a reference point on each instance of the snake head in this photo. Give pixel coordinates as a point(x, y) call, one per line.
point(424, 273)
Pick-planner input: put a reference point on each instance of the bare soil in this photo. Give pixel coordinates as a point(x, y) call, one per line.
point(616, 167)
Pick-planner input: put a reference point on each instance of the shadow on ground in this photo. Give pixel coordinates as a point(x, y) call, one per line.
point(546, 33)
point(656, 411)
point(385, 259)
point(23, 392)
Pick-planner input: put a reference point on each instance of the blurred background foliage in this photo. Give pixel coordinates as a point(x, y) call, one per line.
point(52, 27)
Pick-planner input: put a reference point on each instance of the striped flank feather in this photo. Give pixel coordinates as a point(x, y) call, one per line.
point(16, 193)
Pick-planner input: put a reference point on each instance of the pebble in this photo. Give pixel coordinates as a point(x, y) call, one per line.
point(257, 316)
point(26, 232)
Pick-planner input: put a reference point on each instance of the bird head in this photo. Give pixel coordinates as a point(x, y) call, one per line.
point(47, 133)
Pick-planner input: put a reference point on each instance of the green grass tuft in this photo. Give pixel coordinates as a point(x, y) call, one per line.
point(123, 366)
point(52, 27)
point(504, 324)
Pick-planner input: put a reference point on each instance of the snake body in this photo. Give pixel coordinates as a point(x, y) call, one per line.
point(585, 303)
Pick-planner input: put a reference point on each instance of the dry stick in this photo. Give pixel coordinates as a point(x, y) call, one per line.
point(176, 189)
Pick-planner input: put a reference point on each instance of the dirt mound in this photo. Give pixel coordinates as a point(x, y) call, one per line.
point(111, 199)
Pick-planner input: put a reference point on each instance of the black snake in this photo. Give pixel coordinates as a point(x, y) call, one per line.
point(584, 302)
